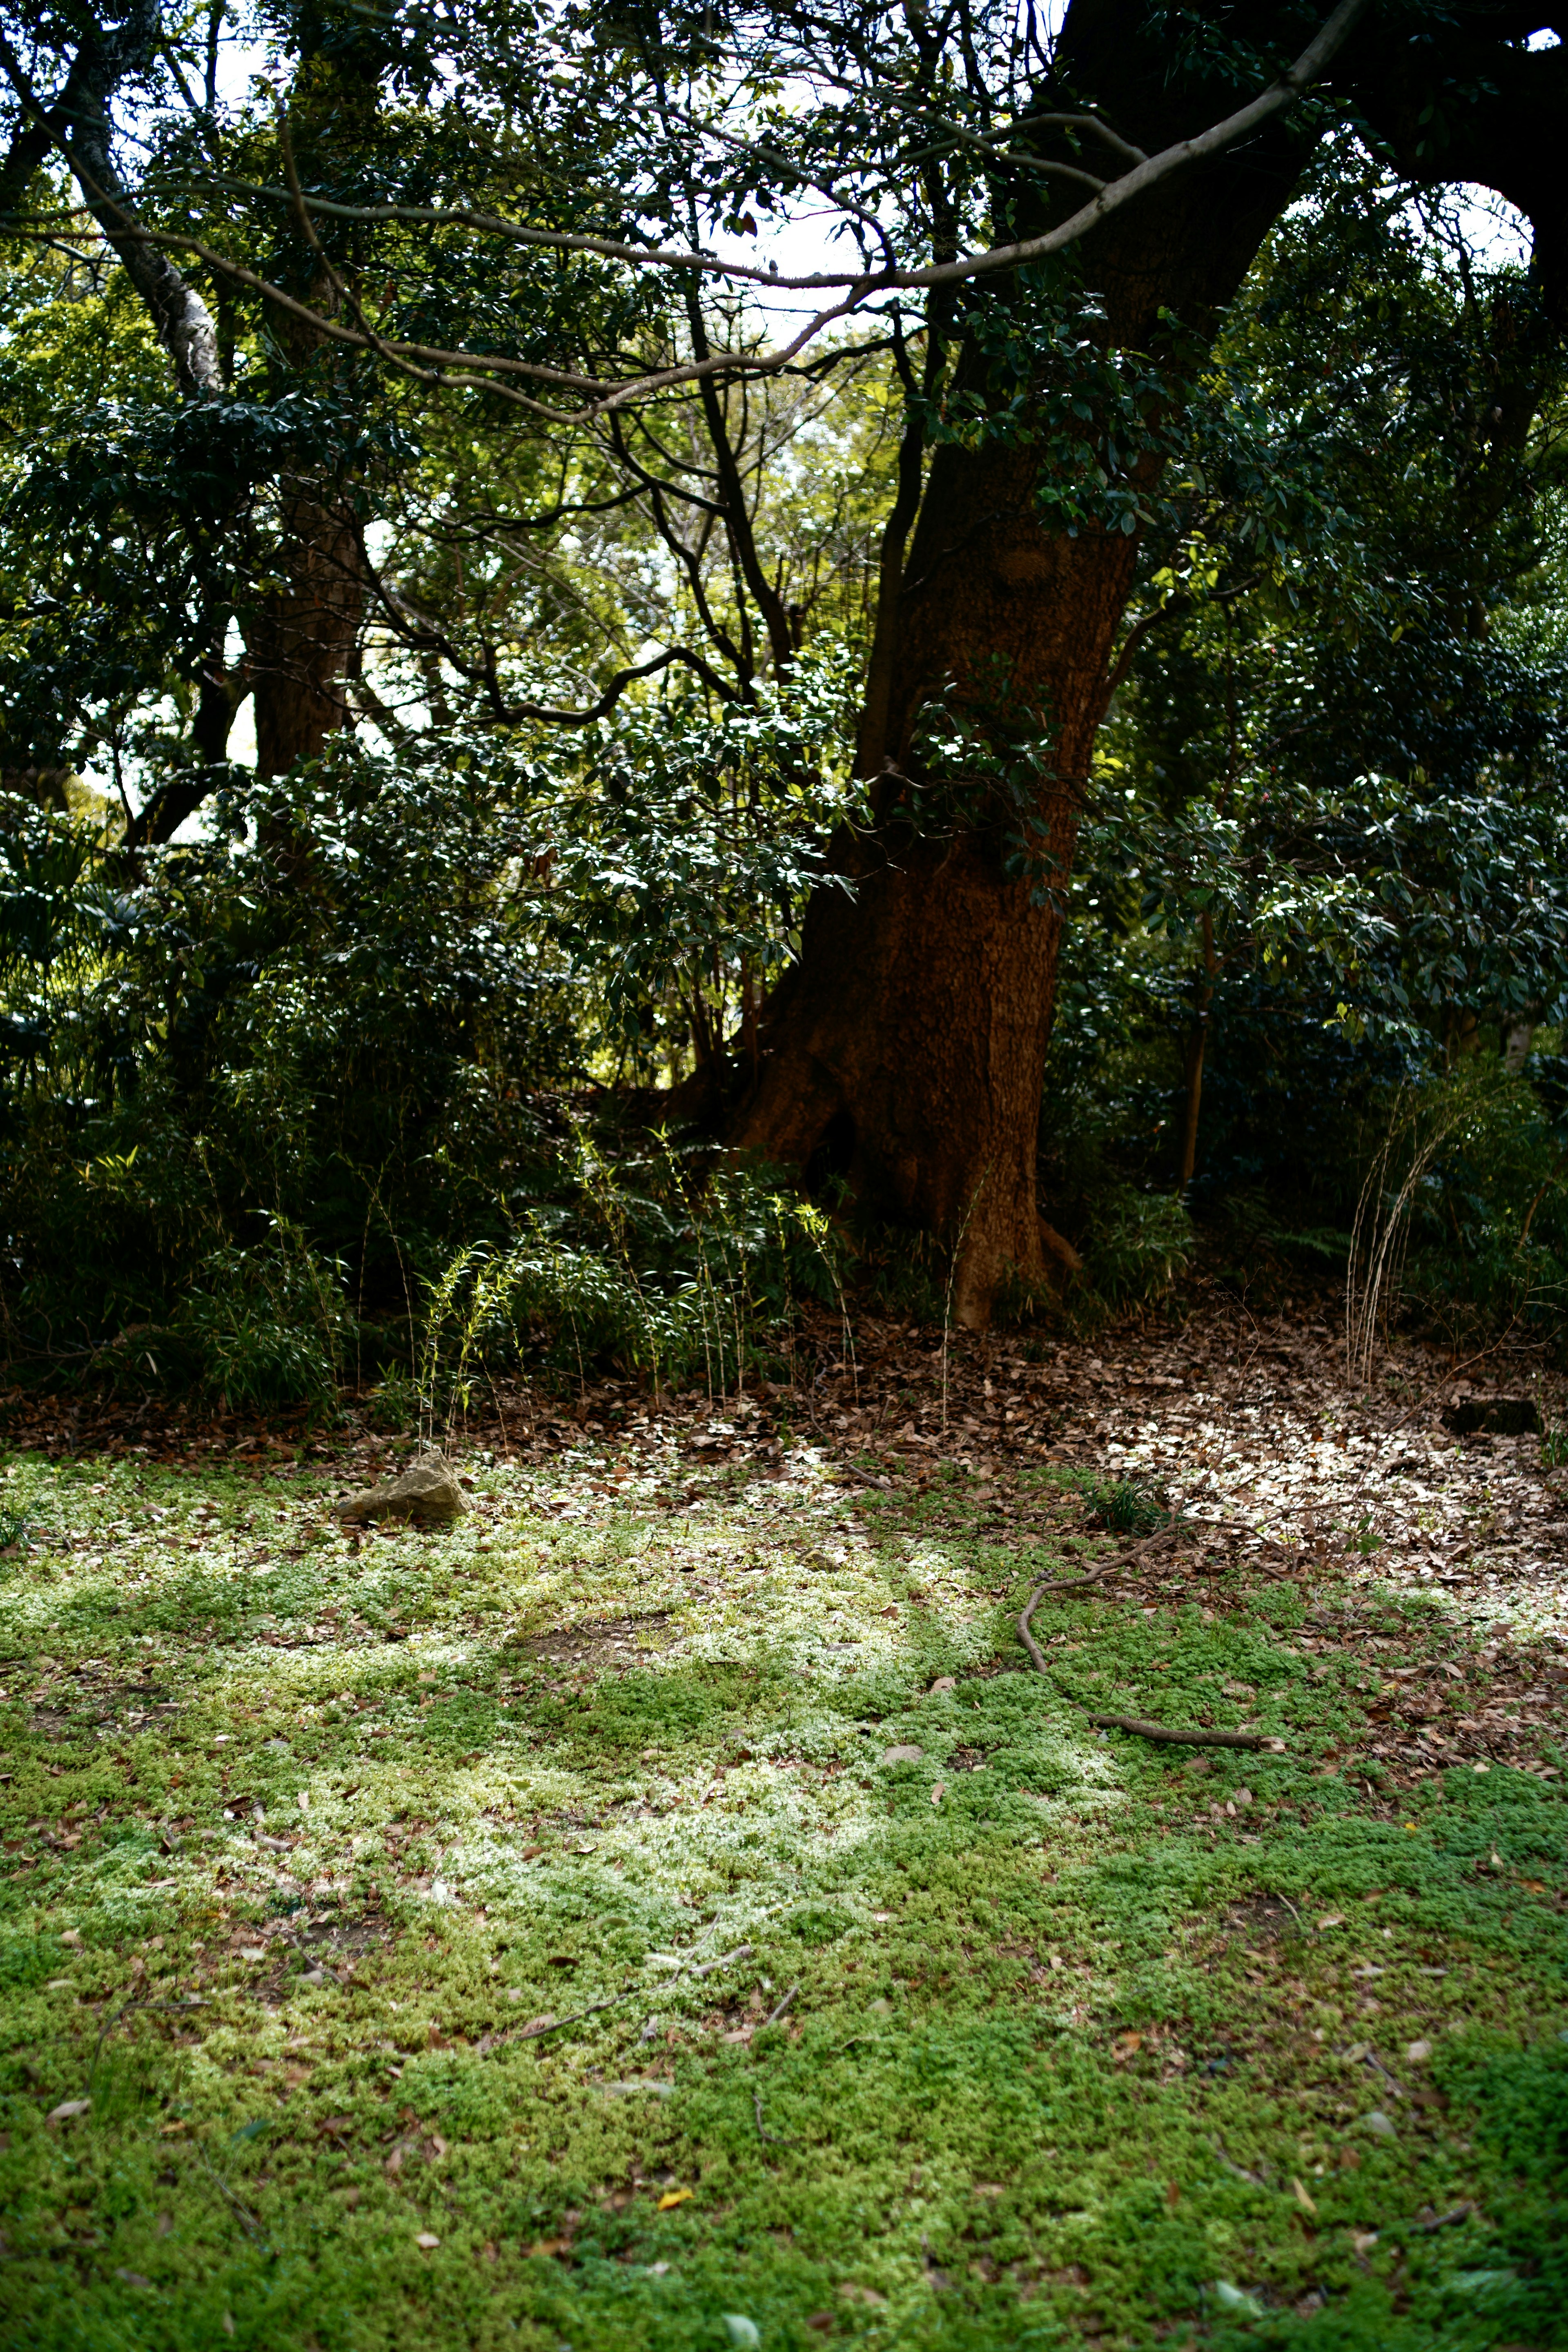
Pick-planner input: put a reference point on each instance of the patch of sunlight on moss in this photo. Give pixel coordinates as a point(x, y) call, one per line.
point(1050, 2057)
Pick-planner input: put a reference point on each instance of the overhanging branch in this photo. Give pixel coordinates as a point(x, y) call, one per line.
point(501, 376)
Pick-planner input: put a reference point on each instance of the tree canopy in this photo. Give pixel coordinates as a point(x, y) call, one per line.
point(747, 530)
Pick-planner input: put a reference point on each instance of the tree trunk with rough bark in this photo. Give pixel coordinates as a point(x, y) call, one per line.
point(906, 1050)
point(300, 643)
point(301, 640)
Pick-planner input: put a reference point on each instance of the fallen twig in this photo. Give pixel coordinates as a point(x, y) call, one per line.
point(632, 1992)
point(559, 2024)
point(741, 1952)
point(772, 2138)
point(247, 2220)
point(1179, 1738)
point(1175, 1736)
point(774, 2015)
point(105, 2030)
point(1254, 2180)
point(1461, 2212)
point(1063, 1585)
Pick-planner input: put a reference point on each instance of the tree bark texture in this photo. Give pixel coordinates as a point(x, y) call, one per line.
point(301, 640)
point(1197, 1040)
point(906, 1050)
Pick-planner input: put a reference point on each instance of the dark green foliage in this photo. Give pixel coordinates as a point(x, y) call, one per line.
point(135, 535)
point(1325, 844)
point(274, 1057)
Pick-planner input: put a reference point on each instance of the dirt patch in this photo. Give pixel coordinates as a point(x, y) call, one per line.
point(604, 1642)
point(296, 1952)
point(128, 1702)
point(72, 1711)
point(1497, 1416)
point(347, 1937)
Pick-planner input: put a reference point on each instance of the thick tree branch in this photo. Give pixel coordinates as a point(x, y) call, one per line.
point(77, 125)
point(488, 371)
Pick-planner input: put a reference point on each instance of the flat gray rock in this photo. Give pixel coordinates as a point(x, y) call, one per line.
point(902, 1755)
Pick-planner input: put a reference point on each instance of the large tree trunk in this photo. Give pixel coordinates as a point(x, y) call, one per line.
point(907, 1048)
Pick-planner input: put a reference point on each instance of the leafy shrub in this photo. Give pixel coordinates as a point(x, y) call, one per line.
point(1127, 1508)
point(267, 1325)
point(1118, 1505)
point(666, 1268)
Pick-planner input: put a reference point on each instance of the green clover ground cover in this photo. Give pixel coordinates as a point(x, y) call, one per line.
point(1021, 2035)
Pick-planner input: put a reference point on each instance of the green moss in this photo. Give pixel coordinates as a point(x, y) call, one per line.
point(1069, 2050)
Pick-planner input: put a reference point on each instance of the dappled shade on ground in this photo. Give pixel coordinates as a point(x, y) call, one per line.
point(1021, 2033)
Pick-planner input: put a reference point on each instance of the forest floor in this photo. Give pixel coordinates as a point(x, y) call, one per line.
point(668, 1909)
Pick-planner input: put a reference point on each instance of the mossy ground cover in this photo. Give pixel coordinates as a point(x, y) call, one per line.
point(1020, 2034)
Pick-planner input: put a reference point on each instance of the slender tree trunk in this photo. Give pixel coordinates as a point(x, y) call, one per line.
point(301, 640)
point(181, 319)
point(1192, 1096)
point(1196, 1041)
point(219, 694)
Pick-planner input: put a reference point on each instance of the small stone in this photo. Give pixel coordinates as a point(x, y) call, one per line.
point(902, 1755)
point(1418, 2053)
point(1378, 2122)
point(943, 1683)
